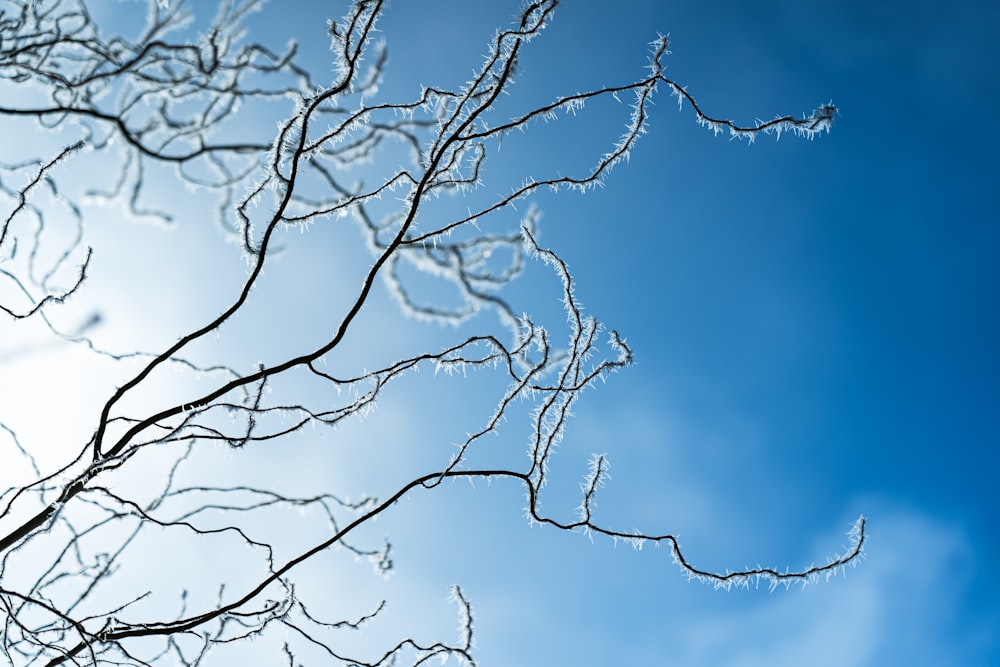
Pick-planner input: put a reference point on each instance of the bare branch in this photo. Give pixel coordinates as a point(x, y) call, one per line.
point(145, 480)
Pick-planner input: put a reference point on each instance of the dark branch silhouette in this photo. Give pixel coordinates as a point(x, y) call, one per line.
point(69, 530)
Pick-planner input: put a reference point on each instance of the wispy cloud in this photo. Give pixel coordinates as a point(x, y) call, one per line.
point(902, 606)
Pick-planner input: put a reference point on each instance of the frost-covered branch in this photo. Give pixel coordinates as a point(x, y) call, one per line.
point(167, 460)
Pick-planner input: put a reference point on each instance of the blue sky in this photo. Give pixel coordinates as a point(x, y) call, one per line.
point(814, 325)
